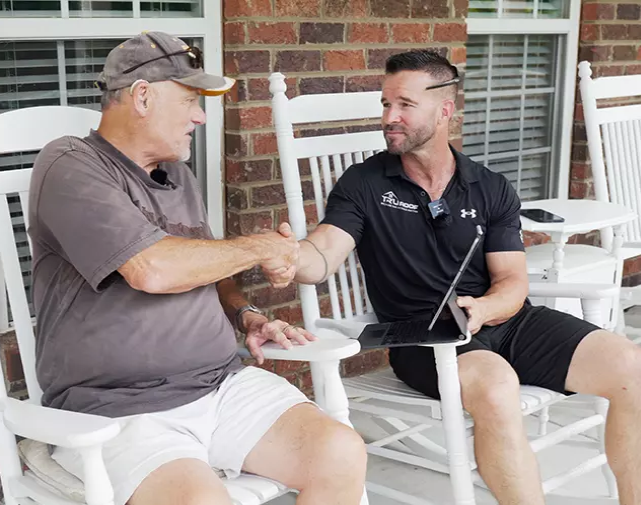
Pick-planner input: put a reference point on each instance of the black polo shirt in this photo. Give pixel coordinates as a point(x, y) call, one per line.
point(410, 258)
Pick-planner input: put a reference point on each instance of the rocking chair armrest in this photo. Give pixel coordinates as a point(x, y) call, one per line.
point(57, 427)
point(582, 291)
point(323, 349)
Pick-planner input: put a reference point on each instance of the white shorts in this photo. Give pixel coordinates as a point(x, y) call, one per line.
point(220, 429)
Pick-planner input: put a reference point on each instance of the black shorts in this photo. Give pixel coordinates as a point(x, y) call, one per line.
point(538, 342)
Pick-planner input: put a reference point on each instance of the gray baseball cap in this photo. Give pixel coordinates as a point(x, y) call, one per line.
point(158, 56)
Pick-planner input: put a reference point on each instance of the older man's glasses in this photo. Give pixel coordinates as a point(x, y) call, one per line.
point(194, 53)
point(456, 80)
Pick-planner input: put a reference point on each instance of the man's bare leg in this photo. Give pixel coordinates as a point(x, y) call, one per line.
point(307, 450)
point(609, 365)
point(490, 392)
point(181, 482)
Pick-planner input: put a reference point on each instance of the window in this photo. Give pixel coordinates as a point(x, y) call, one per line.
point(519, 91)
point(49, 57)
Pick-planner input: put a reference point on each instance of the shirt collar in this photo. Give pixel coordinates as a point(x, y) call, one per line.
point(465, 167)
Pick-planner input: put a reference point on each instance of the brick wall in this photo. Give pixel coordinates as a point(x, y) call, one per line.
point(610, 38)
point(321, 46)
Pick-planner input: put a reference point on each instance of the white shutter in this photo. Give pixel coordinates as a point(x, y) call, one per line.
point(101, 9)
point(509, 107)
point(523, 9)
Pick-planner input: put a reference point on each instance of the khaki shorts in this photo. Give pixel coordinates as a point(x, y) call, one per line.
point(220, 429)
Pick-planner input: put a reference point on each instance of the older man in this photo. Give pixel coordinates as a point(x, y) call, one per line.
point(134, 301)
point(410, 257)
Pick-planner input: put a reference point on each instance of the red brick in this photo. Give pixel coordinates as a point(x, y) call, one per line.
point(316, 85)
point(298, 8)
point(236, 198)
point(364, 362)
point(264, 143)
point(597, 11)
point(283, 367)
point(344, 60)
point(367, 33)
point(305, 384)
point(390, 8)
point(632, 266)
point(364, 127)
point(580, 171)
point(246, 8)
point(376, 57)
point(293, 314)
point(450, 32)
point(246, 62)
point(235, 144)
point(632, 69)
point(411, 32)
point(579, 189)
point(248, 118)
point(458, 55)
point(248, 223)
point(13, 362)
point(264, 196)
point(595, 53)
point(298, 61)
point(431, 9)
point(234, 33)
point(578, 112)
point(634, 32)
point(322, 33)
point(345, 8)
point(461, 8)
point(624, 53)
point(579, 153)
point(532, 238)
point(630, 12)
point(612, 32)
point(258, 89)
point(248, 171)
point(363, 83)
point(589, 32)
point(272, 33)
point(607, 70)
point(311, 216)
point(268, 296)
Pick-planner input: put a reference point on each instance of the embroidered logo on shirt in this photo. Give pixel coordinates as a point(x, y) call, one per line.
point(392, 201)
point(468, 213)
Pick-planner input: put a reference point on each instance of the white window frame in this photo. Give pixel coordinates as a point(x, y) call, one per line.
point(568, 29)
point(208, 28)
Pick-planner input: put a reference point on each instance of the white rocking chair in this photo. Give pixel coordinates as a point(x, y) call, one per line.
point(45, 482)
point(404, 413)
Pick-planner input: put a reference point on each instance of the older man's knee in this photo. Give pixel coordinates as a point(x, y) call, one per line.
point(339, 453)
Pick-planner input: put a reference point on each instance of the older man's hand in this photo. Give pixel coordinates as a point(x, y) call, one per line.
point(280, 273)
point(260, 330)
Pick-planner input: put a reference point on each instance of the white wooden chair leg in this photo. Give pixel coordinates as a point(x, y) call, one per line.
point(10, 467)
point(454, 425)
point(544, 418)
point(601, 406)
point(330, 396)
point(592, 311)
point(98, 489)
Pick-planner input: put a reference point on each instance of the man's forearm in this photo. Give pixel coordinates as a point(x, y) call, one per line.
point(503, 300)
point(176, 264)
point(312, 264)
point(231, 298)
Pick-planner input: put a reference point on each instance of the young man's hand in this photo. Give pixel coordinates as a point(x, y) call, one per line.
point(260, 330)
point(280, 274)
point(476, 312)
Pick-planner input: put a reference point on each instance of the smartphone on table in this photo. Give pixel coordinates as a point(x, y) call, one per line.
point(541, 216)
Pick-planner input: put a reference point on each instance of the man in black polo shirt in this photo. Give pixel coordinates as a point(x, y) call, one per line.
point(411, 213)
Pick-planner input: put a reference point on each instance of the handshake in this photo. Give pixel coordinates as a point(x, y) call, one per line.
point(282, 249)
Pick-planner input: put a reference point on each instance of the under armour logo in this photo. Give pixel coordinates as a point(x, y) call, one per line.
point(468, 213)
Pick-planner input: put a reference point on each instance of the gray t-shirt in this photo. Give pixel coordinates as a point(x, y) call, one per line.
point(103, 347)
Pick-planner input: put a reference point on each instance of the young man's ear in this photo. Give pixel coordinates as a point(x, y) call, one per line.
point(447, 110)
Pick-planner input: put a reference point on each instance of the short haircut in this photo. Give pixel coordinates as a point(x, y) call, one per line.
point(423, 60)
